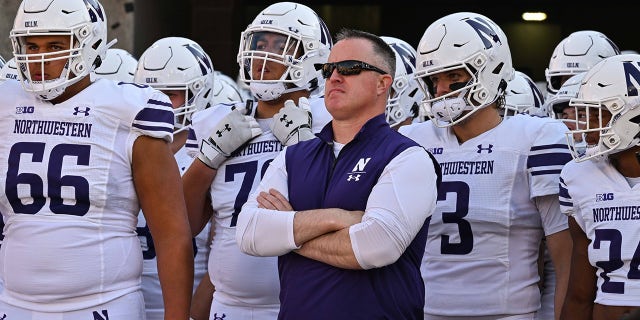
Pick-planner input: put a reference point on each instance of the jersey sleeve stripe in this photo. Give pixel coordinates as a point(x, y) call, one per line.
point(159, 103)
point(548, 159)
point(153, 128)
point(566, 203)
point(192, 140)
point(543, 172)
point(191, 145)
point(564, 192)
point(155, 117)
point(550, 146)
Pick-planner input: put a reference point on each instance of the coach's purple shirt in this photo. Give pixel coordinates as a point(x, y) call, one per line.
point(317, 179)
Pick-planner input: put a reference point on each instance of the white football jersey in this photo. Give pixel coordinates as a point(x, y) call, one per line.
point(69, 203)
point(482, 248)
point(154, 305)
point(607, 209)
point(1, 238)
point(241, 279)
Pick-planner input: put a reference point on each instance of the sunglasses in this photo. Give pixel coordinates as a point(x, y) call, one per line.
point(347, 68)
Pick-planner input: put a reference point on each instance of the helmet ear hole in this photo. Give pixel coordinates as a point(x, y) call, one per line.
point(611, 141)
point(401, 83)
point(311, 45)
point(78, 67)
point(478, 61)
point(197, 85)
point(297, 74)
point(83, 32)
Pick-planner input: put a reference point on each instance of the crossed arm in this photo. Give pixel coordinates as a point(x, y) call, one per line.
point(395, 211)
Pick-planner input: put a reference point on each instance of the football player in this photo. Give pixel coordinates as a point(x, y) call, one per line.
point(522, 96)
point(182, 70)
point(118, 65)
point(277, 57)
point(572, 56)
point(9, 71)
point(403, 105)
point(498, 197)
point(81, 159)
point(599, 193)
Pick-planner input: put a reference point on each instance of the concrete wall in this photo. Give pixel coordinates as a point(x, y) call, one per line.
point(8, 9)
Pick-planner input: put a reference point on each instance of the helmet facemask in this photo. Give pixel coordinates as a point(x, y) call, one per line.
point(592, 130)
point(73, 71)
point(194, 94)
point(458, 104)
point(262, 53)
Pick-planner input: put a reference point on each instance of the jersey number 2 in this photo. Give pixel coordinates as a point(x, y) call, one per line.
point(615, 262)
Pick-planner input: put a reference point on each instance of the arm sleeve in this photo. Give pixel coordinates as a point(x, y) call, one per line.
point(399, 204)
point(263, 232)
point(552, 219)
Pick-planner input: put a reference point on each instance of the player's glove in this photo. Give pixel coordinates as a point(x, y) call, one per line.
point(233, 131)
point(293, 123)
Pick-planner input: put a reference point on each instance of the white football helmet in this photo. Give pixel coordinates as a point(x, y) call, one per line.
point(405, 95)
point(303, 40)
point(9, 71)
point(225, 90)
point(119, 65)
point(575, 54)
point(555, 104)
point(522, 96)
point(468, 41)
point(176, 63)
point(610, 86)
point(84, 21)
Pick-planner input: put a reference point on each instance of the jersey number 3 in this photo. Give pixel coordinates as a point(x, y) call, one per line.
point(461, 190)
